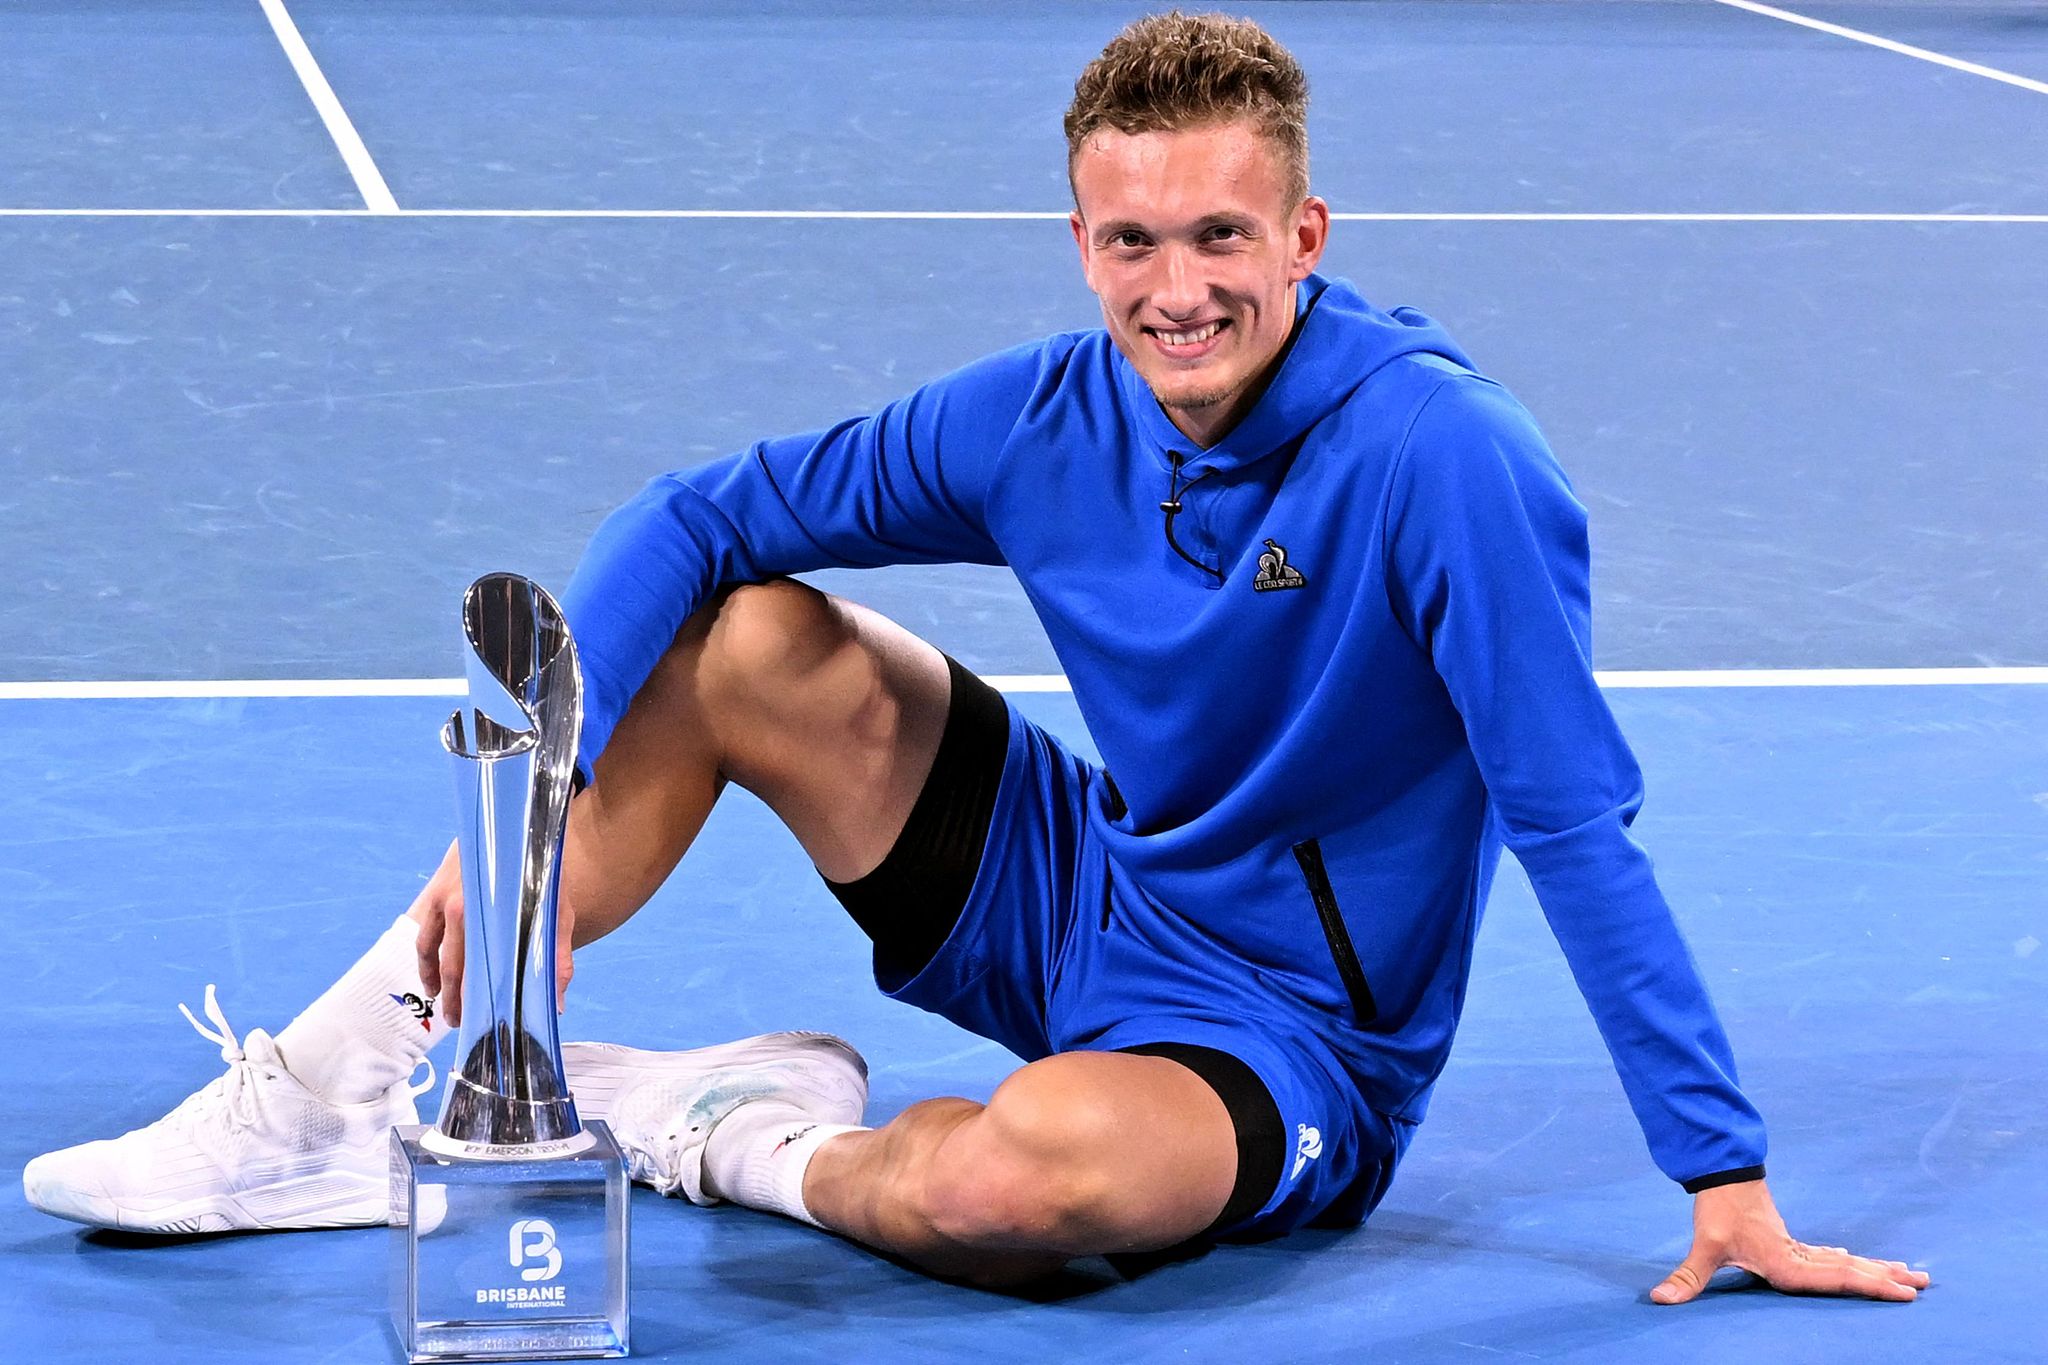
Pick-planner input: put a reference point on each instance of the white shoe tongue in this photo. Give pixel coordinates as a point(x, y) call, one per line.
point(260, 1048)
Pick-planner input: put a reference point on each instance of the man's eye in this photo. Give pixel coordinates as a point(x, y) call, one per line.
point(1127, 239)
point(1219, 233)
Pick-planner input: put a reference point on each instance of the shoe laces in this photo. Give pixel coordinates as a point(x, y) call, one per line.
point(237, 1089)
point(238, 1086)
point(655, 1159)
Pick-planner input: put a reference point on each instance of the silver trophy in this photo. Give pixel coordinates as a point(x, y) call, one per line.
point(509, 1214)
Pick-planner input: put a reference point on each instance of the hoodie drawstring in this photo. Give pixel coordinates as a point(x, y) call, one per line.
point(1172, 507)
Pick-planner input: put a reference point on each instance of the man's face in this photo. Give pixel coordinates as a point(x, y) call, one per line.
point(1189, 241)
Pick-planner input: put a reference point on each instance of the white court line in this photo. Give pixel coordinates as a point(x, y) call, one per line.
point(369, 181)
point(1009, 682)
point(1022, 216)
point(1820, 677)
point(207, 689)
point(1691, 217)
point(1903, 49)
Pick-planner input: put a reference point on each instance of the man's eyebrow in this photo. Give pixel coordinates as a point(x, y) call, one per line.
point(1116, 226)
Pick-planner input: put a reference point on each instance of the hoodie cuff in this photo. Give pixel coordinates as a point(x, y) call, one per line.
point(1741, 1175)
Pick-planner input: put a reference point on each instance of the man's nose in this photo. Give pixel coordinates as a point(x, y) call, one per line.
point(1180, 291)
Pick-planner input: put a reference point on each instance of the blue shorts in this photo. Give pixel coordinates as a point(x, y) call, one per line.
point(1054, 949)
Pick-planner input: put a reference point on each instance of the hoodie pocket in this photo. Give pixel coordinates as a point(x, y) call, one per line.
point(1310, 856)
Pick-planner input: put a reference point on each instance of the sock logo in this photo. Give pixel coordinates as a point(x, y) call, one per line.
point(792, 1138)
point(422, 1008)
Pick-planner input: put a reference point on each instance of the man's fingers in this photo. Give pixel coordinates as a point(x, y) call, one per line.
point(565, 957)
point(1685, 1283)
point(1875, 1284)
point(439, 903)
point(451, 969)
point(1896, 1272)
point(1832, 1270)
point(428, 947)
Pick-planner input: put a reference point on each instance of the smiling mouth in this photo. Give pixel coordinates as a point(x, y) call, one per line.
point(1190, 341)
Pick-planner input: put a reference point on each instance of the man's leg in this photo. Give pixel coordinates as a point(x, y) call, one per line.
point(828, 712)
point(1082, 1153)
point(832, 715)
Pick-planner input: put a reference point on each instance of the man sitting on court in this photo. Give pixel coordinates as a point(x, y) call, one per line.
point(1321, 591)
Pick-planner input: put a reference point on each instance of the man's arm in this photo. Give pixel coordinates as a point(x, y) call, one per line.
point(903, 486)
point(1488, 570)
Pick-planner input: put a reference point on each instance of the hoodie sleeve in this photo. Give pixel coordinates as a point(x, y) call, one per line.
point(1488, 572)
point(905, 485)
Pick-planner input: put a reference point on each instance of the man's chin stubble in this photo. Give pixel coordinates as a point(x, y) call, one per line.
point(1199, 401)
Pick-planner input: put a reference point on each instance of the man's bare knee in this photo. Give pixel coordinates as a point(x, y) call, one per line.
point(1087, 1152)
point(751, 645)
point(1029, 1171)
point(761, 634)
point(827, 711)
point(786, 661)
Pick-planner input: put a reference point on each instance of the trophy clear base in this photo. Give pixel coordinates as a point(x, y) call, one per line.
point(508, 1258)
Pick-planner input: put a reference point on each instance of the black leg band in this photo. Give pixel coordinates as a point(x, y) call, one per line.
point(910, 903)
point(1261, 1137)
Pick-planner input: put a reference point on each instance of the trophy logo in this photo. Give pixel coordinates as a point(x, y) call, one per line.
point(509, 1170)
point(542, 1247)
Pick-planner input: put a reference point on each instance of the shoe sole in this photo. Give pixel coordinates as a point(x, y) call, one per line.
point(366, 1205)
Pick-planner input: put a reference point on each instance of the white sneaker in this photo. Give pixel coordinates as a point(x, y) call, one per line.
point(662, 1106)
point(254, 1149)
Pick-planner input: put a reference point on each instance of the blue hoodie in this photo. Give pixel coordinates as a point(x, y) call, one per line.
point(1350, 662)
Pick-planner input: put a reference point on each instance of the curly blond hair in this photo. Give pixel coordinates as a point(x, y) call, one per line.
point(1171, 71)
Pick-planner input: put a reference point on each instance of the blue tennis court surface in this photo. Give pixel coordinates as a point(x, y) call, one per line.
point(275, 447)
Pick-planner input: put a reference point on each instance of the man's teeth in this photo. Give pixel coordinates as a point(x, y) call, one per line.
point(1194, 338)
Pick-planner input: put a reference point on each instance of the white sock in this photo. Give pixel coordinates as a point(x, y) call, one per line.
point(370, 1029)
point(757, 1156)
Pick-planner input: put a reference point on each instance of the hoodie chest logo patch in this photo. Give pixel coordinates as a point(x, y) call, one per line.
point(1275, 572)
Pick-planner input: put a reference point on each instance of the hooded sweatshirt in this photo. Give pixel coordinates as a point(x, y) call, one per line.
point(1332, 662)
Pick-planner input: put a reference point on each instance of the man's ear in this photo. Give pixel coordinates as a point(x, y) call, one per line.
point(1080, 230)
point(1311, 235)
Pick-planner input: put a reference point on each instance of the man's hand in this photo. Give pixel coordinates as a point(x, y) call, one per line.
point(1738, 1225)
point(438, 909)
